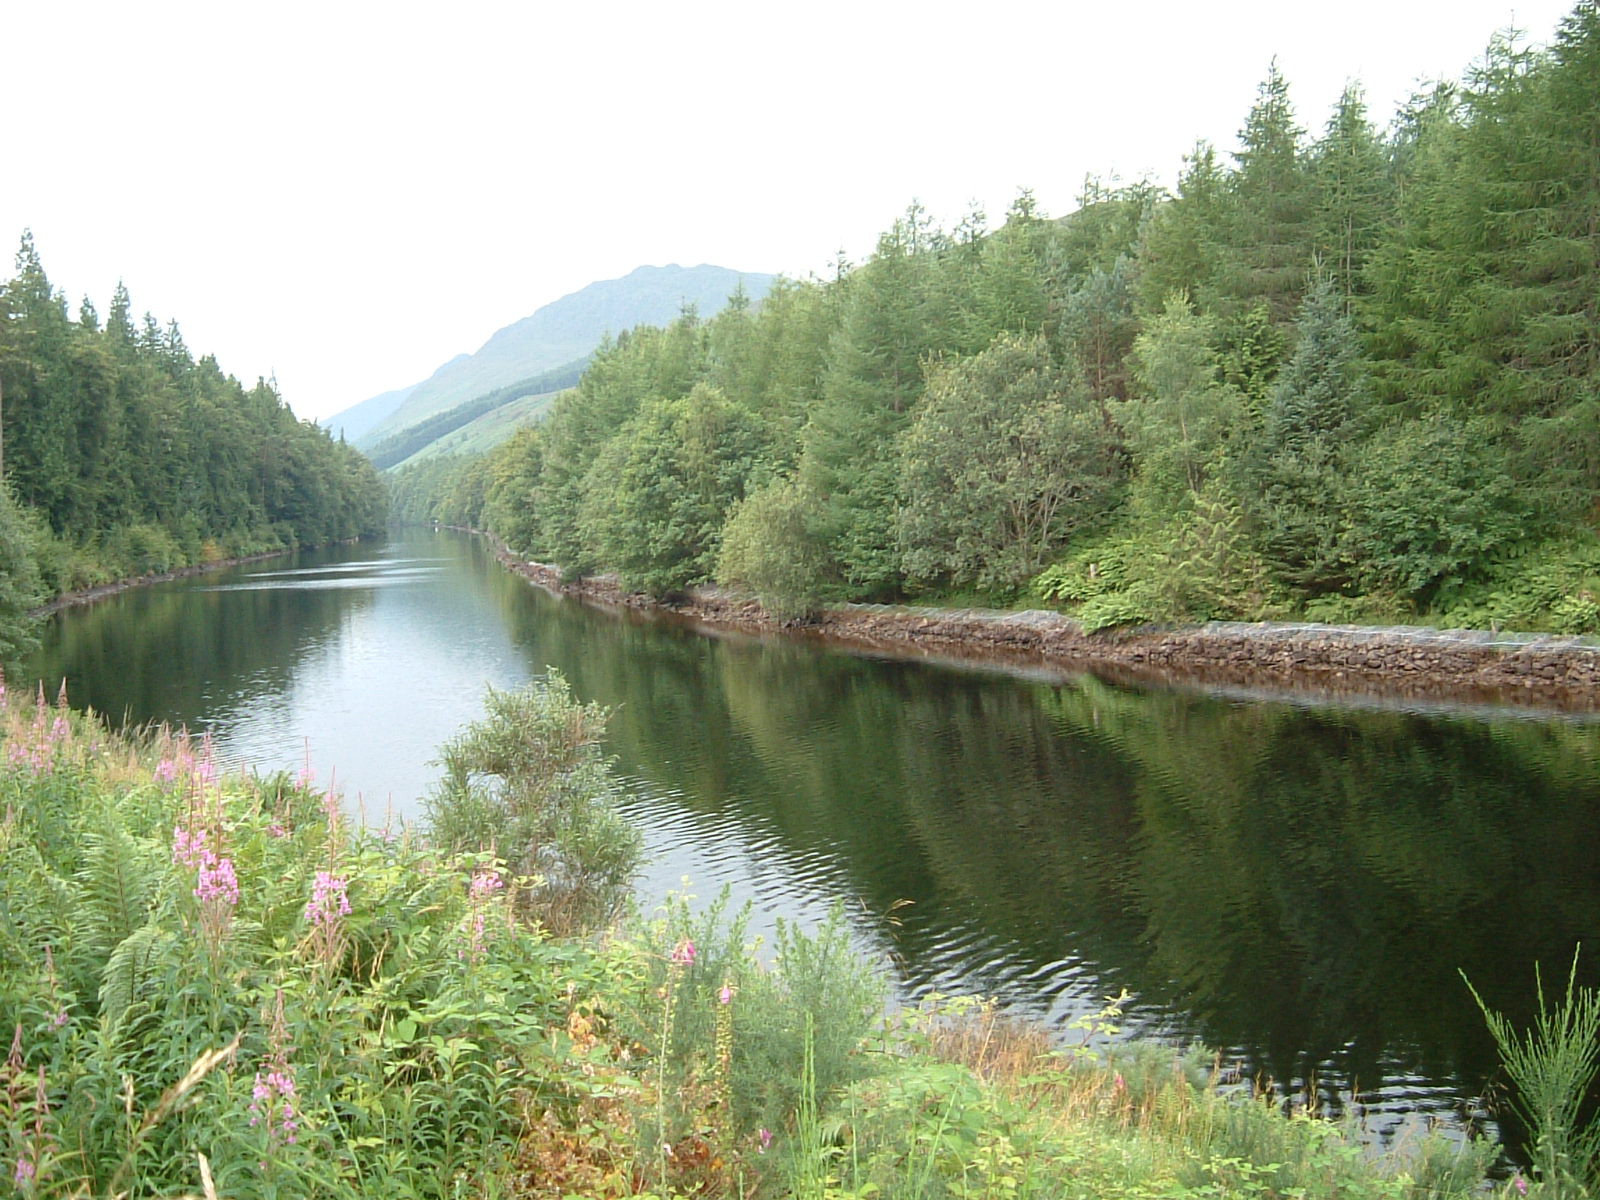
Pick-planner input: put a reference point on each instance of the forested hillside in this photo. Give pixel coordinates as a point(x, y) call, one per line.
point(125, 455)
point(1349, 374)
point(555, 339)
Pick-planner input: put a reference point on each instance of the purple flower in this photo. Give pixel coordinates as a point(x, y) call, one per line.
point(272, 1103)
point(725, 996)
point(485, 883)
point(1521, 1184)
point(23, 1175)
point(683, 953)
point(765, 1137)
point(218, 882)
point(189, 849)
point(329, 899)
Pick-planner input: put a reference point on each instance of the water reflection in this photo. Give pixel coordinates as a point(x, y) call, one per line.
point(1299, 886)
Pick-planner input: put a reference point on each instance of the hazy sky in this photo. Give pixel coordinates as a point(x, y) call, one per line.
point(349, 194)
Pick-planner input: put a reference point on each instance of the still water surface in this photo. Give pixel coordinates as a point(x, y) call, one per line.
point(1298, 885)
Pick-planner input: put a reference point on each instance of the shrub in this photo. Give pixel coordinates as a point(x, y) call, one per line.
point(529, 782)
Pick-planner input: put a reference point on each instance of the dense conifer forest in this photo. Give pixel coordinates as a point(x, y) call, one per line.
point(125, 455)
point(1350, 373)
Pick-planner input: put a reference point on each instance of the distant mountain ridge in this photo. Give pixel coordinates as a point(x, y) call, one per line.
point(557, 335)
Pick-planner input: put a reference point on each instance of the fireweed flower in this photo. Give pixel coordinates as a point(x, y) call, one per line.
point(325, 912)
point(683, 953)
point(274, 1104)
point(486, 884)
point(189, 849)
point(218, 884)
point(329, 900)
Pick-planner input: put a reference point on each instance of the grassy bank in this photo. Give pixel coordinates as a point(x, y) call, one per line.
point(220, 985)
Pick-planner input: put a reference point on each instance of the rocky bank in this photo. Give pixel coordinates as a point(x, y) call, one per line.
point(1541, 670)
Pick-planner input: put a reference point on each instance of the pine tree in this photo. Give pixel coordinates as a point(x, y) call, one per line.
point(1268, 249)
point(1179, 245)
point(1353, 195)
point(873, 376)
point(1301, 465)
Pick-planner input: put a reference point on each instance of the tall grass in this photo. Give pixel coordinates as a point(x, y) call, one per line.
point(1553, 1065)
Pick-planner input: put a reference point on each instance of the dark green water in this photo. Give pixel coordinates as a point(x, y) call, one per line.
point(1297, 885)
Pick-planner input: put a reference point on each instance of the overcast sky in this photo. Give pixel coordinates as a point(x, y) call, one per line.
point(347, 195)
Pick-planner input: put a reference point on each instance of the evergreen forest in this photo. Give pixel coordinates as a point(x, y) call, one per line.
point(1350, 373)
point(124, 455)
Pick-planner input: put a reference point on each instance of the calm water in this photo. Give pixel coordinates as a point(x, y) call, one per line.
point(1297, 885)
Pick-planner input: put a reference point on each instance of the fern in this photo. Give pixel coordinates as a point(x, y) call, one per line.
point(136, 960)
point(115, 881)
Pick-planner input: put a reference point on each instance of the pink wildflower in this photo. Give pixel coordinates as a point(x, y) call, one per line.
point(683, 953)
point(218, 882)
point(272, 1102)
point(23, 1175)
point(189, 849)
point(329, 899)
point(765, 1137)
point(486, 884)
point(725, 996)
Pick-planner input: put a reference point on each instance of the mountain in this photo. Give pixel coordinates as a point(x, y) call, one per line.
point(561, 333)
point(354, 421)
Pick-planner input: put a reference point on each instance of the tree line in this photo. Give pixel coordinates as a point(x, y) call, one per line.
point(1352, 375)
point(123, 454)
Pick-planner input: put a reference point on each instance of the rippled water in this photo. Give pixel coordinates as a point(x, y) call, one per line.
point(1299, 885)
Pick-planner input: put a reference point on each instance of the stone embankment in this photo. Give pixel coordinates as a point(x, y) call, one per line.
point(1542, 669)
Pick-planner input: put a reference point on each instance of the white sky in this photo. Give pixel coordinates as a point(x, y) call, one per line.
point(349, 194)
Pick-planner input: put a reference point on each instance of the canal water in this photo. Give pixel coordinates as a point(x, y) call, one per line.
point(1299, 886)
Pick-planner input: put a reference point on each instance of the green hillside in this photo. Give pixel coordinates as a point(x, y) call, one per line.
point(483, 433)
point(401, 446)
point(561, 333)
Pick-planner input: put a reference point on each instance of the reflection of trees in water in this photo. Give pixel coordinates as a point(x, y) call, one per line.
point(941, 788)
point(173, 649)
point(1304, 883)
point(1312, 881)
